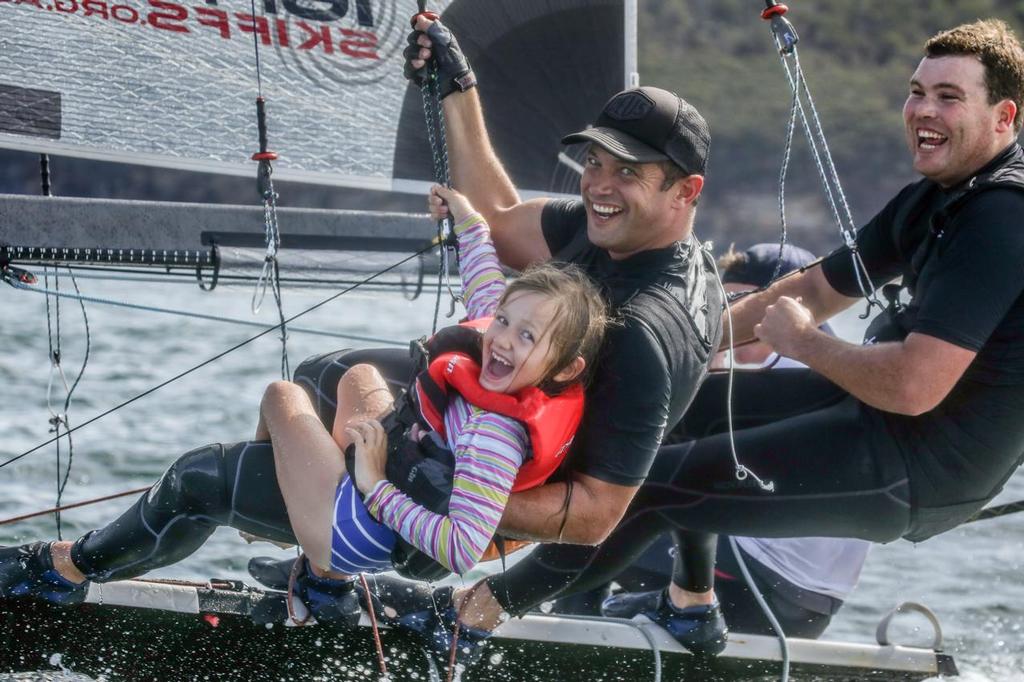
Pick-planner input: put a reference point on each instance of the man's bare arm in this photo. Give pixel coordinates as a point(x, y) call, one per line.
point(816, 294)
point(906, 377)
point(909, 377)
point(594, 510)
point(477, 172)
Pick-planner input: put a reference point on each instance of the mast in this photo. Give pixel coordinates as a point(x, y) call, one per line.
point(631, 66)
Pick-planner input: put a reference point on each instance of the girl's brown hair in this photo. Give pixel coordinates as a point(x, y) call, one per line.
point(580, 319)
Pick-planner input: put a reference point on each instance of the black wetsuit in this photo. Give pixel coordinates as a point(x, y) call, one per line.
point(840, 467)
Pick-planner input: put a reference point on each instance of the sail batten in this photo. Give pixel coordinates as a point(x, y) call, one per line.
point(65, 222)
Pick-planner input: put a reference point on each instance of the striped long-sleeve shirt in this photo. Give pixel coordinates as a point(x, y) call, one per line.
point(489, 448)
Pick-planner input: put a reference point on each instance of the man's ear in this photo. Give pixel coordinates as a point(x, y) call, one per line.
point(571, 372)
point(1006, 112)
point(688, 189)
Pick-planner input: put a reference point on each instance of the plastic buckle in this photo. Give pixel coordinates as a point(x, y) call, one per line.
point(12, 274)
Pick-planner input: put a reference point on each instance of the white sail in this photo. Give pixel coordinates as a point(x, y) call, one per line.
point(173, 84)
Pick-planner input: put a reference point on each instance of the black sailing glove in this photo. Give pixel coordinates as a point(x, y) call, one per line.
point(453, 70)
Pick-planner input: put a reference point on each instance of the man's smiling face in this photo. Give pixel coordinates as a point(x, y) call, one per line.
point(627, 209)
point(951, 128)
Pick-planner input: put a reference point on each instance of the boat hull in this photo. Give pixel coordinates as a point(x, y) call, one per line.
point(141, 630)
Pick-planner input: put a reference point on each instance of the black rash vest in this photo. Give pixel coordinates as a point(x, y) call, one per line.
point(961, 255)
point(669, 306)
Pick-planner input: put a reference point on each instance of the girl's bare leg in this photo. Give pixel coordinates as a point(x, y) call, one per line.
point(60, 553)
point(362, 394)
point(308, 459)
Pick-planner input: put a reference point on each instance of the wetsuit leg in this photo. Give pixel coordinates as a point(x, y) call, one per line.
point(553, 570)
point(788, 603)
point(693, 568)
point(801, 613)
point(320, 375)
point(758, 397)
point(218, 485)
point(836, 474)
point(215, 485)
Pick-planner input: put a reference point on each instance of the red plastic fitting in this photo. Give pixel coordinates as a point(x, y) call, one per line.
point(770, 12)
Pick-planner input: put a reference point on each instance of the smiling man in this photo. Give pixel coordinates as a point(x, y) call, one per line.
point(632, 232)
point(949, 116)
point(905, 436)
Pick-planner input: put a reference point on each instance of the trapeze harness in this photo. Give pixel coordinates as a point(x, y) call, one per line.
point(898, 320)
point(425, 470)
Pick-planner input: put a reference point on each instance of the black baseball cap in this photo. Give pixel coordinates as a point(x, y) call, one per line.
point(646, 124)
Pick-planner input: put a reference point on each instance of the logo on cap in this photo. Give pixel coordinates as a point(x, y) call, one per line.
point(629, 106)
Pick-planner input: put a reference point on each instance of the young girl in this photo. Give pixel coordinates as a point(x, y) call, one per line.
point(546, 329)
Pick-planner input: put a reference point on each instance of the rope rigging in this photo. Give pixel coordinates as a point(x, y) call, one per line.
point(223, 353)
point(271, 272)
point(202, 316)
point(433, 112)
point(74, 505)
point(59, 418)
point(786, 39)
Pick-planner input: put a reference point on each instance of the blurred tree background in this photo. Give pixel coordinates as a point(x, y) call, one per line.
point(857, 54)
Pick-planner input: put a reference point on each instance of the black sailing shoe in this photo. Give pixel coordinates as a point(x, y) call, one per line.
point(390, 596)
point(271, 572)
point(27, 571)
point(435, 625)
point(394, 598)
point(330, 601)
point(701, 629)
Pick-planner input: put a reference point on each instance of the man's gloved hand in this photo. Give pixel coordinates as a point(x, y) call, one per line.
point(432, 40)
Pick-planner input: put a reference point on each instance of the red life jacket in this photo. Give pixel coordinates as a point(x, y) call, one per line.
point(551, 421)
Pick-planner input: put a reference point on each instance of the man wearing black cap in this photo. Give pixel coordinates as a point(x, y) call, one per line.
point(632, 232)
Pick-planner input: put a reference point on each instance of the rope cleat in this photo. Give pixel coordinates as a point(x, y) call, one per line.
point(781, 28)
